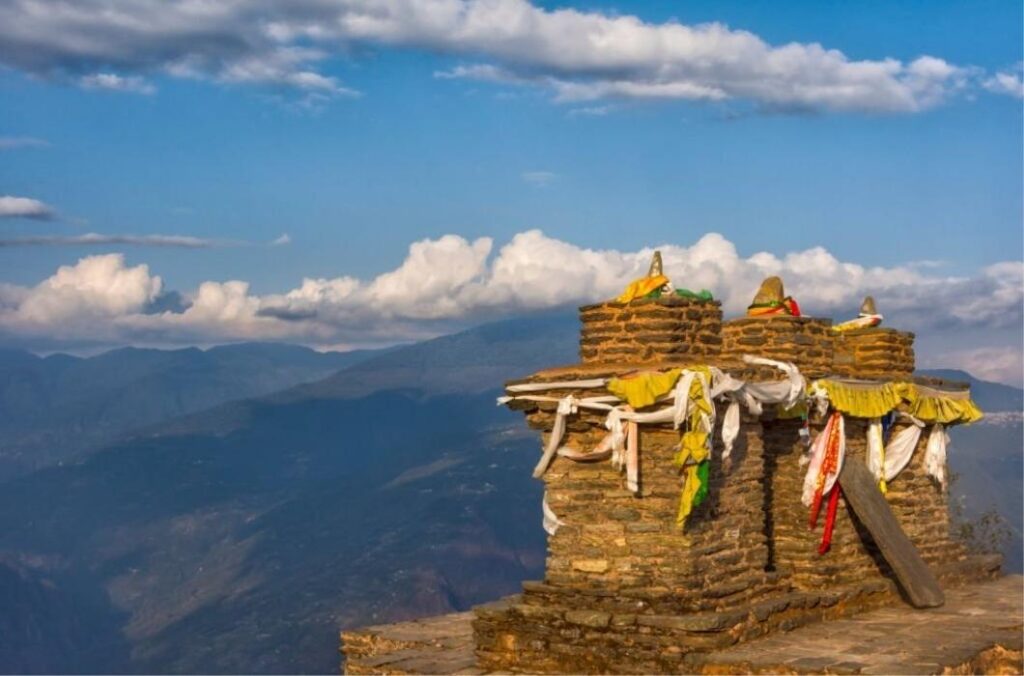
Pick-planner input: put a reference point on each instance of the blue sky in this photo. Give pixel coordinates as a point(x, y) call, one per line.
point(237, 151)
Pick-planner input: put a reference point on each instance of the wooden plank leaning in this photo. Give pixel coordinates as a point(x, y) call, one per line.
point(915, 578)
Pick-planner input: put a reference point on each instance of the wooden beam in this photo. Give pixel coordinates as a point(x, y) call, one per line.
point(861, 492)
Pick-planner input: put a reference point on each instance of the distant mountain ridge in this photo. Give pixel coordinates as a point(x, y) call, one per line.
point(53, 407)
point(476, 360)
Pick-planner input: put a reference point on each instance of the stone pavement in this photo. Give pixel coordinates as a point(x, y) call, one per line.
point(978, 630)
point(893, 640)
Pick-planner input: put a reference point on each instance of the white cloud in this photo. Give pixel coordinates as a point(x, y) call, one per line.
point(579, 55)
point(117, 83)
point(1000, 364)
point(24, 207)
point(95, 239)
point(283, 240)
point(448, 282)
point(66, 304)
point(539, 178)
point(1008, 82)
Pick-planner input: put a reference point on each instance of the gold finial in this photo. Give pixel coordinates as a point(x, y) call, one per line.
point(771, 291)
point(656, 266)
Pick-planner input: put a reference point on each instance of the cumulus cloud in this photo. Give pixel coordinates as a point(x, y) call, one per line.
point(283, 240)
point(446, 283)
point(117, 83)
point(98, 287)
point(24, 207)
point(1007, 82)
point(95, 239)
point(578, 55)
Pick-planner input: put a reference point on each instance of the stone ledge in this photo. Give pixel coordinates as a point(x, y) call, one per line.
point(978, 630)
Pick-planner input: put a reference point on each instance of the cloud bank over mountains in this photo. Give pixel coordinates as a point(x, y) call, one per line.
point(577, 55)
point(447, 283)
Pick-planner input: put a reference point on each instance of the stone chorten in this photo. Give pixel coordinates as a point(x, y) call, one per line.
point(625, 589)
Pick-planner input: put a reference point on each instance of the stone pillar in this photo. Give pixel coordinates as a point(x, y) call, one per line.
point(804, 341)
point(672, 329)
point(874, 353)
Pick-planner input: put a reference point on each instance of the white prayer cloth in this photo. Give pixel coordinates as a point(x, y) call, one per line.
point(632, 457)
point(677, 411)
point(730, 428)
point(566, 407)
point(592, 383)
point(602, 451)
point(551, 522)
point(898, 451)
point(818, 456)
point(876, 448)
point(935, 454)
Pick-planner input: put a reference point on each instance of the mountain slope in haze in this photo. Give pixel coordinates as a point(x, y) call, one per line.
point(472, 361)
point(56, 622)
point(478, 359)
point(986, 459)
point(246, 552)
point(54, 407)
point(241, 538)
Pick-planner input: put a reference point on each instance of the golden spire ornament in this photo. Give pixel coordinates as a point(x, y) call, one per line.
point(656, 269)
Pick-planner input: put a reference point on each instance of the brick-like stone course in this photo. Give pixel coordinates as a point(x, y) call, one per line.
point(874, 353)
point(649, 330)
point(626, 544)
point(918, 502)
point(804, 341)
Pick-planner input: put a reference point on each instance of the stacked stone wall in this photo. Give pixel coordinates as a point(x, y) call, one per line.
point(625, 591)
point(916, 500)
point(795, 544)
point(874, 353)
point(922, 507)
point(672, 329)
point(629, 545)
point(804, 341)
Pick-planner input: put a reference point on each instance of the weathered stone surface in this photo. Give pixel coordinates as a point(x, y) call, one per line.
point(588, 618)
point(977, 631)
point(590, 565)
point(697, 622)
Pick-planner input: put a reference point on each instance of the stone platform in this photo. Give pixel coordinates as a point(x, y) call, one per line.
point(432, 645)
point(978, 630)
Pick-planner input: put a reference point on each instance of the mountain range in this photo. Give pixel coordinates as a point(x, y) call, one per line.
point(56, 406)
point(241, 535)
